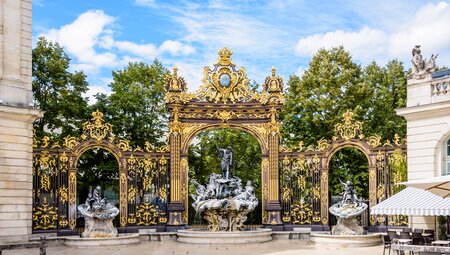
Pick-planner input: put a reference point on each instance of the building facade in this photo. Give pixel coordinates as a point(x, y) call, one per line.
point(428, 128)
point(17, 115)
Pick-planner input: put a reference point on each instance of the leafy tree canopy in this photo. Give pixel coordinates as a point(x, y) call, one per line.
point(136, 107)
point(333, 84)
point(57, 91)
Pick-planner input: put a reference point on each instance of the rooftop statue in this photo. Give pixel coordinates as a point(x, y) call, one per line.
point(98, 215)
point(420, 67)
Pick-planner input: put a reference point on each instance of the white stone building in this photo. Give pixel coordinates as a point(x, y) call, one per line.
point(16, 117)
point(428, 131)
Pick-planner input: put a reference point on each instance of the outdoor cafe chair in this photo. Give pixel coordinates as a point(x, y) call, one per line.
point(426, 240)
point(416, 241)
point(392, 235)
point(387, 244)
point(405, 235)
point(431, 232)
point(418, 230)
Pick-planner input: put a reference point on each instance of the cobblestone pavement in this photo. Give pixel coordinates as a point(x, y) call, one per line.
point(277, 247)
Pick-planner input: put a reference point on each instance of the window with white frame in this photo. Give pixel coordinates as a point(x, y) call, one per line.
point(447, 157)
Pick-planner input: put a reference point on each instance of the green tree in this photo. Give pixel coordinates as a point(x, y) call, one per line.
point(204, 160)
point(331, 85)
point(57, 92)
point(136, 106)
point(388, 90)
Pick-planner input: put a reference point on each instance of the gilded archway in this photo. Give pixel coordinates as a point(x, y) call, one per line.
point(304, 173)
point(224, 101)
point(143, 174)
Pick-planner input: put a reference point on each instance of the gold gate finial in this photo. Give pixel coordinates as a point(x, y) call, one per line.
point(225, 56)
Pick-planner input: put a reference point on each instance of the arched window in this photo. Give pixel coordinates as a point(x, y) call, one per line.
point(447, 157)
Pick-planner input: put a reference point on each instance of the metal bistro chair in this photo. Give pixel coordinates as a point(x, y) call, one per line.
point(419, 237)
point(392, 235)
point(418, 230)
point(426, 240)
point(405, 235)
point(387, 244)
point(431, 232)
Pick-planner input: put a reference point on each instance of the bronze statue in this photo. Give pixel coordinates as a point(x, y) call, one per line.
point(226, 155)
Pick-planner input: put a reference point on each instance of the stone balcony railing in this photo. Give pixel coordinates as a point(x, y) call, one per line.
point(440, 86)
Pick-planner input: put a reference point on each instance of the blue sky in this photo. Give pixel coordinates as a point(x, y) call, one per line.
point(104, 35)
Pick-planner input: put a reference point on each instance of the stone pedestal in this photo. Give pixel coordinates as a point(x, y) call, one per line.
point(95, 227)
point(346, 240)
point(223, 237)
point(347, 226)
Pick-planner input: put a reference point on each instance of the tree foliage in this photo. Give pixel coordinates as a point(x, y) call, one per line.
point(333, 84)
point(57, 91)
point(136, 106)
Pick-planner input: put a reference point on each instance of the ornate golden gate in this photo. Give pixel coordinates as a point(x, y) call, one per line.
point(143, 177)
point(224, 101)
point(294, 181)
point(304, 173)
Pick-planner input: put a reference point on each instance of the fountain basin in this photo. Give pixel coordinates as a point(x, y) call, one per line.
point(224, 237)
point(98, 242)
point(371, 239)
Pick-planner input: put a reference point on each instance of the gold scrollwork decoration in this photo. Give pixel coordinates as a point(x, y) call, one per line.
point(224, 83)
point(97, 128)
point(374, 141)
point(45, 216)
point(124, 145)
point(349, 128)
point(301, 212)
point(70, 142)
point(146, 214)
point(63, 194)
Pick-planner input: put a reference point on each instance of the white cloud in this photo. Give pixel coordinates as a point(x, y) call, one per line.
point(428, 27)
point(90, 40)
point(357, 43)
point(81, 36)
point(146, 50)
point(176, 48)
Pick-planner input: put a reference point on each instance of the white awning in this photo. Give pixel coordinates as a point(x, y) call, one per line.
point(413, 201)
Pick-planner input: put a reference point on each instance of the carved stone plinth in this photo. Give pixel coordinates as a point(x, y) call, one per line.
point(321, 238)
point(347, 226)
point(224, 238)
point(95, 227)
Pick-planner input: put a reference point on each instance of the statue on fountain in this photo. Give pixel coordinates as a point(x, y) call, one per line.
point(224, 203)
point(98, 215)
point(347, 211)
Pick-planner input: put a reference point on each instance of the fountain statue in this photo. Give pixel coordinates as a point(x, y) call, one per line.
point(224, 203)
point(98, 215)
point(346, 210)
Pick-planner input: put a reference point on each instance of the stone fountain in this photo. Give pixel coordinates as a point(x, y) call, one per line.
point(347, 211)
point(347, 231)
point(99, 229)
point(98, 216)
point(224, 203)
